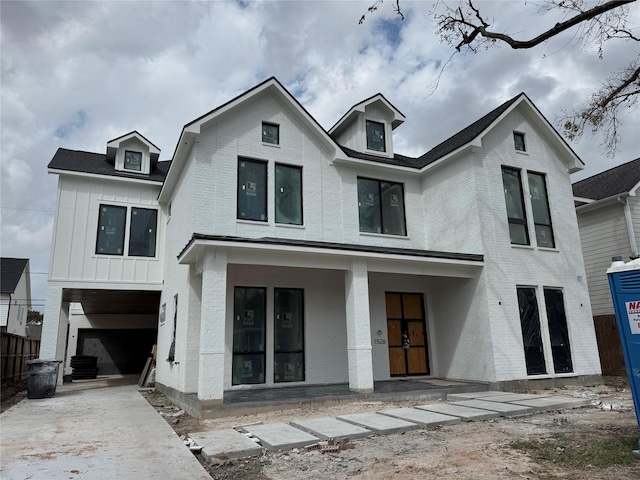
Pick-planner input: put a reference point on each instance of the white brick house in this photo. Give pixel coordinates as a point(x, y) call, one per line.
point(287, 254)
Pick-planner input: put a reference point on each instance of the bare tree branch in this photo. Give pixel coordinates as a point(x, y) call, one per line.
point(465, 28)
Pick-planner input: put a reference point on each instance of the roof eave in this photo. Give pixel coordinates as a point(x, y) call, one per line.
point(116, 178)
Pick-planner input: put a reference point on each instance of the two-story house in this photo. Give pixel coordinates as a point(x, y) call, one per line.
point(278, 253)
point(608, 212)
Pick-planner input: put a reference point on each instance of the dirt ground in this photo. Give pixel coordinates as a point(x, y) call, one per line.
point(594, 442)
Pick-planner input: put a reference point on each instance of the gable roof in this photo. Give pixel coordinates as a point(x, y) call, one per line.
point(398, 117)
point(97, 164)
point(471, 134)
point(114, 145)
point(193, 128)
point(11, 269)
point(615, 181)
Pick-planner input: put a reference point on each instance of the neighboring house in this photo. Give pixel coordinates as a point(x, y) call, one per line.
point(277, 253)
point(609, 221)
point(15, 295)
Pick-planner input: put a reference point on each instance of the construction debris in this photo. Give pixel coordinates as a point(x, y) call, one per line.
point(331, 445)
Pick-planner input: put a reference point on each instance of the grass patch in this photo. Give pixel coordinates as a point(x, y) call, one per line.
point(581, 451)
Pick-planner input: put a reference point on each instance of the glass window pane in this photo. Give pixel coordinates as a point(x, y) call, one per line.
point(247, 369)
point(271, 133)
point(558, 331)
point(252, 190)
point(531, 336)
point(392, 208)
point(288, 320)
point(375, 136)
point(513, 193)
point(369, 206)
point(142, 235)
point(539, 201)
point(288, 195)
point(288, 367)
point(133, 160)
point(518, 234)
point(544, 236)
point(111, 223)
point(518, 140)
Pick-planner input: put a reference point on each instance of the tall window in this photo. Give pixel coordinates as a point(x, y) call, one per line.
point(142, 235)
point(540, 207)
point(375, 136)
point(288, 335)
point(515, 206)
point(381, 207)
point(111, 225)
point(558, 330)
point(249, 333)
point(133, 160)
point(518, 141)
point(531, 336)
point(172, 349)
point(288, 195)
point(252, 190)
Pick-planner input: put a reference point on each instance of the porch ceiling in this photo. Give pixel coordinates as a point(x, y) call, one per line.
point(114, 301)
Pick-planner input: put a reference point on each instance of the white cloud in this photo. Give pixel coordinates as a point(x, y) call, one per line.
point(77, 74)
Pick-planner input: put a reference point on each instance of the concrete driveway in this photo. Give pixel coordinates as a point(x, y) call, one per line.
point(100, 429)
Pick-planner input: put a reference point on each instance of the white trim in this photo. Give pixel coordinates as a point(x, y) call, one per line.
point(114, 178)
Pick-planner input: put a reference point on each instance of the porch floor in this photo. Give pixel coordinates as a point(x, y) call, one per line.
point(389, 390)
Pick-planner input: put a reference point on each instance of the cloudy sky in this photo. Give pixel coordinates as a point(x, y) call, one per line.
point(77, 74)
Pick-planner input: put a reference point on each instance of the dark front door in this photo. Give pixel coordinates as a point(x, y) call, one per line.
point(249, 330)
point(406, 334)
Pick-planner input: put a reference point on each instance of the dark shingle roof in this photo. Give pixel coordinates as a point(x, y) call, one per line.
point(96, 163)
point(454, 142)
point(10, 272)
point(615, 181)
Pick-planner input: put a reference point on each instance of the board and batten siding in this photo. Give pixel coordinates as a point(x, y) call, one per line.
point(603, 234)
point(74, 255)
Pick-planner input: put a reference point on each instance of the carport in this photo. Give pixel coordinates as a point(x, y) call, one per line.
point(119, 327)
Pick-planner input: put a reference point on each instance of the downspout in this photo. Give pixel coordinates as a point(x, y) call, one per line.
point(629, 222)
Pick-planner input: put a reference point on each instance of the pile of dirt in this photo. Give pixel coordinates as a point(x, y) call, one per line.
point(12, 393)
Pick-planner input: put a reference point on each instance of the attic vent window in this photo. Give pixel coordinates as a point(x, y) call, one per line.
point(133, 160)
point(270, 133)
point(518, 141)
point(375, 136)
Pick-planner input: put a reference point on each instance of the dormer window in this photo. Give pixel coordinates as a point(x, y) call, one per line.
point(270, 133)
point(375, 136)
point(133, 161)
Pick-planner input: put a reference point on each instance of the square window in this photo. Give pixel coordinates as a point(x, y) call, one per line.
point(270, 133)
point(518, 141)
point(133, 161)
point(111, 224)
point(375, 136)
point(381, 207)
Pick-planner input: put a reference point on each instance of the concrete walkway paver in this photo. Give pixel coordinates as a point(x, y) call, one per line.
point(328, 427)
point(463, 412)
point(380, 424)
point(503, 409)
point(92, 431)
point(280, 436)
point(421, 417)
point(552, 403)
point(225, 444)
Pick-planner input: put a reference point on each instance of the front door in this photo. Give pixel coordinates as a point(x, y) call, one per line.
point(407, 334)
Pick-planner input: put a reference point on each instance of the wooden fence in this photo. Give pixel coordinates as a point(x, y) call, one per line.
point(15, 351)
point(609, 346)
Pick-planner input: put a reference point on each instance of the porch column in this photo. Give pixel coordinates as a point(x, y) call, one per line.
point(212, 326)
point(358, 328)
point(54, 328)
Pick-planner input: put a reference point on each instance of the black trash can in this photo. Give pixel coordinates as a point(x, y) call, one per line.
point(43, 378)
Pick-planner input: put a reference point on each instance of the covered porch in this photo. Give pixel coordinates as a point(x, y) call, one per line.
point(340, 291)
